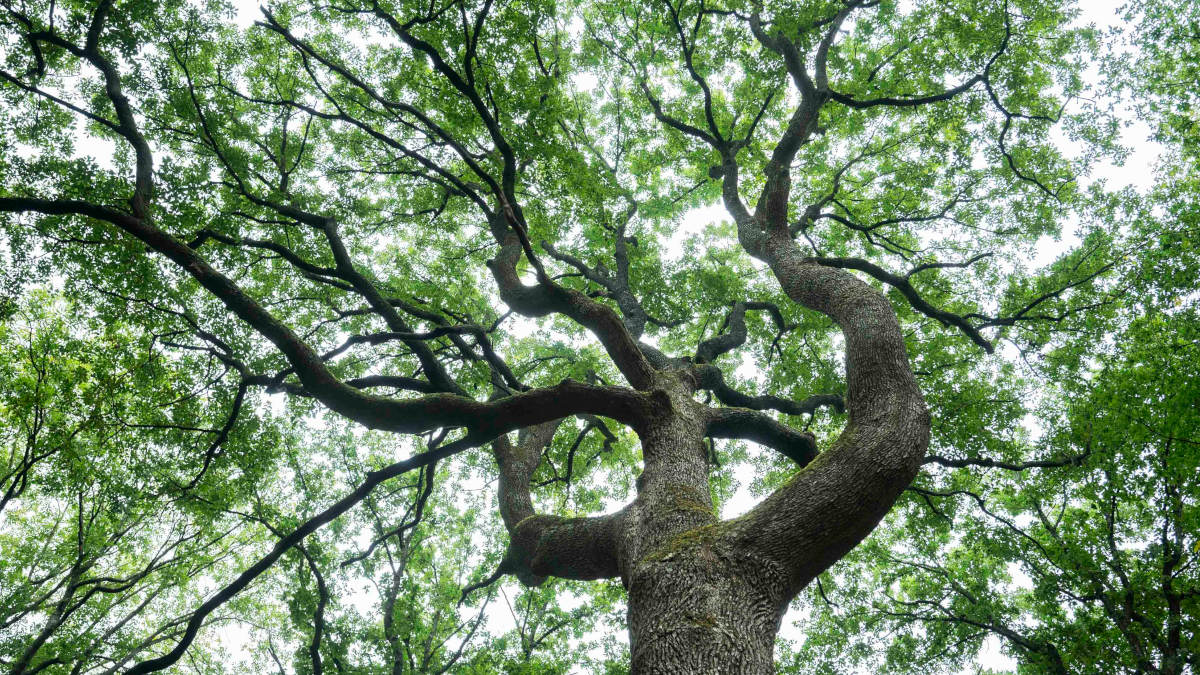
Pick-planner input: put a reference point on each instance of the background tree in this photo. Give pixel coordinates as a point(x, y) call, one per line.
point(437, 228)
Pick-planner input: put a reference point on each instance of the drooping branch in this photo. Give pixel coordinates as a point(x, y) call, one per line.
point(917, 100)
point(549, 297)
point(906, 101)
point(408, 416)
point(987, 462)
point(287, 542)
point(711, 378)
point(946, 265)
point(735, 327)
point(1024, 314)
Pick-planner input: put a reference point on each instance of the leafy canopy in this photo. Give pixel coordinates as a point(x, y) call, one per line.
point(349, 168)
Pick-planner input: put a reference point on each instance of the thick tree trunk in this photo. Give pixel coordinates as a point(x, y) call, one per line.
point(695, 605)
point(711, 599)
point(704, 608)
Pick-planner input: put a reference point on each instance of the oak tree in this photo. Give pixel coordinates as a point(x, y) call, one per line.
point(328, 266)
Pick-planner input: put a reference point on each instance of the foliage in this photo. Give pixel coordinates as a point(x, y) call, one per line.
point(272, 295)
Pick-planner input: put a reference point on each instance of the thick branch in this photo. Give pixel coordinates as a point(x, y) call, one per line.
point(837, 500)
point(750, 425)
point(548, 297)
point(735, 326)
point(987, 462)
point(485, 420)
point(516, 464)
point(711, 378)
point(569, 548)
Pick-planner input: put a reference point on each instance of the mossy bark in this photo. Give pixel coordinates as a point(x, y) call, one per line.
point(696, 604)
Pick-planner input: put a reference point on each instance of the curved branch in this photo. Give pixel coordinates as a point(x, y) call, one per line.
point(485, 420)
point(708, 350)
point(287, 542)
point(547, 297)
point(987, 462)
point(545, 545)
point(711, 378)
point(831, 505)
point(735, 321)
point(516, 464)
point(906, 101)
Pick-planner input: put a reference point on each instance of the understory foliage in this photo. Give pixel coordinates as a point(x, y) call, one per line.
point(323, 325)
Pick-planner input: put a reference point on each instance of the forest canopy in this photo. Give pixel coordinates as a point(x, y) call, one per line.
point(650, 336)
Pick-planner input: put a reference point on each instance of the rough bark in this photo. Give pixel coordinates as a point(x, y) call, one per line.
point(704, 607)
point(690, 609)
point(711, 599)
point(830, 506)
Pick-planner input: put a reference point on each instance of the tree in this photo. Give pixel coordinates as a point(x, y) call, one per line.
point(450, 222)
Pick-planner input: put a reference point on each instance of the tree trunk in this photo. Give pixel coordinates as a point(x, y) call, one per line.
point(695, 604)
point(708, 596)
point(704, 608)
point(711, 599)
